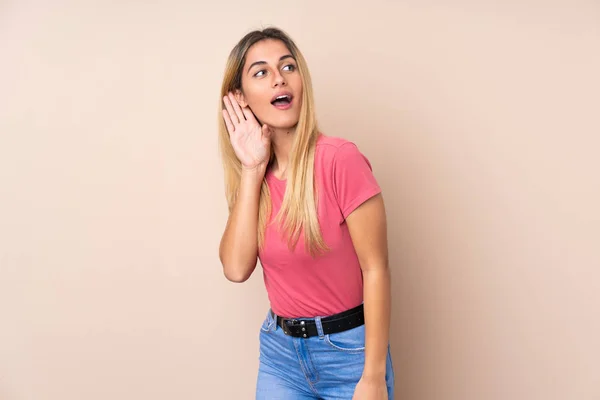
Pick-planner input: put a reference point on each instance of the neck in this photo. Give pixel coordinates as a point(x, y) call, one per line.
point(282, 140)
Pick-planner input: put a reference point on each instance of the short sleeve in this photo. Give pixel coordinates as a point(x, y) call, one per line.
point(353, 179)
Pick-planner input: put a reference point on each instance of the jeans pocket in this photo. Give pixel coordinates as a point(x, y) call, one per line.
point(350, 341)
point(268, 323)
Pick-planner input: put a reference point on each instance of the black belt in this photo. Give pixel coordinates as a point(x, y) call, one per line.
point(306, 328)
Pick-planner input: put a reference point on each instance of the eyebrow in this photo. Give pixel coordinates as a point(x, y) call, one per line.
point(264, 62)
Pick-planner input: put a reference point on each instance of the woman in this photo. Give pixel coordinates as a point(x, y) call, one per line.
point(308, 206)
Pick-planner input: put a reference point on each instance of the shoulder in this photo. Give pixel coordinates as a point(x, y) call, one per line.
point(332, 147)
point(346, 172)
point(340, 158)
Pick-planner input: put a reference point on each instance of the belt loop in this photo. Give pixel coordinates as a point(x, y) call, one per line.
point(273, 322)
point(319, 327)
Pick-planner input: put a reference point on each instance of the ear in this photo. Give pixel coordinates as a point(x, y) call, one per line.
point(239, 96)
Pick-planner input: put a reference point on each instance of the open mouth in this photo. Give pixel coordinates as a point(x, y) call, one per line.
point(283, 101)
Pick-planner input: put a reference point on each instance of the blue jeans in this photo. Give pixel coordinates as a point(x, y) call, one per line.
point(320, 367)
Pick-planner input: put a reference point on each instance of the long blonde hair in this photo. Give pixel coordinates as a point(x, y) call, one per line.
point(299, 207)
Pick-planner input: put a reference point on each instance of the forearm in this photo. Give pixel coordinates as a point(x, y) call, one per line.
point(238, 249)
point(377, 306)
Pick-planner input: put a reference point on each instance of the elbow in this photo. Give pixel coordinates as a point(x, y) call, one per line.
point(237, 272)
point(236, 268)
point(235, 276)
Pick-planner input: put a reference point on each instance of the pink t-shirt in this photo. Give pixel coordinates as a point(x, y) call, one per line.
point(297, 284)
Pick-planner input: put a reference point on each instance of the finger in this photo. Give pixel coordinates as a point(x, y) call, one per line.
point(249, 114)
point(266, 131)
point(228, 123)
point(236, 107)
point(229, 107)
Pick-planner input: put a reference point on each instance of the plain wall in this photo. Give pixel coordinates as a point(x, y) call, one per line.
point(481, 120)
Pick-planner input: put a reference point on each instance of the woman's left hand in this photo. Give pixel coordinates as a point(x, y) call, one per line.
point(371, 389)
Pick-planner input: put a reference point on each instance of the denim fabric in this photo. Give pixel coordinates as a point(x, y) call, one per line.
point(321, 367)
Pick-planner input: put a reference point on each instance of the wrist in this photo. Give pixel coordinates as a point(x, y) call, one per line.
point(374, 372)
point(255, 174)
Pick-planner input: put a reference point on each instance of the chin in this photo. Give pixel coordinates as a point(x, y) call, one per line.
point(281, 123)
point(288, 125)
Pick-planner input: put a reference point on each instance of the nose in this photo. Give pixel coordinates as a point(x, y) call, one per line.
point(278, 79)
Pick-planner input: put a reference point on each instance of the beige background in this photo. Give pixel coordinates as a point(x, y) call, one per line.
point(481, 120)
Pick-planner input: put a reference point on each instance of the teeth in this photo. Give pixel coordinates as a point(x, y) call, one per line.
point(281, 97)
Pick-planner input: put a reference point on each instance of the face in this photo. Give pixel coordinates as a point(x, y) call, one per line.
point(271, 84)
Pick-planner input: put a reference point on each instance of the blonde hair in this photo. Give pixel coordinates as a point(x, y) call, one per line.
point(299, 207)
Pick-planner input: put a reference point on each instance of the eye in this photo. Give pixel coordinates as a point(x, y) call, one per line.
point(291, 67)
point(260, 73)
